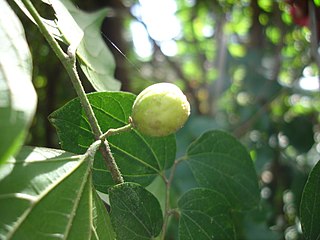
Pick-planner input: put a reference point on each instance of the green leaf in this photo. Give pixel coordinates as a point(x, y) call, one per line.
point(135, 212)
point(205, 214)
point(47, 194)
point(310, 208)
point(96, 60)
point(71, 27)
point(18, 99)
point(219, 162)
point(102, 228)
point(64, 28)
point(139, 157)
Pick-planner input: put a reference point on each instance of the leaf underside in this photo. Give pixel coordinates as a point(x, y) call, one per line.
point(18, 99)
point(47, 194)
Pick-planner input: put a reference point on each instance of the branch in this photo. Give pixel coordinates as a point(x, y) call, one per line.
point(69, 63)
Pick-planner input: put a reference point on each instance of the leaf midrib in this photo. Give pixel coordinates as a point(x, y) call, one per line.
point(25, 215)
point(77, 201)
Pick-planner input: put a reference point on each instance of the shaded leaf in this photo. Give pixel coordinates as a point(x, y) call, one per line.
point(18, 99)
point(219, 162)
point(139, 157)
point(310, 208)
point(47, 194)
point(96, 60)
point(135, 212)
point(205, 214)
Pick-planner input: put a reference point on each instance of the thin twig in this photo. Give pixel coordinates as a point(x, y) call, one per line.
point(168, 211)
point(114, 131)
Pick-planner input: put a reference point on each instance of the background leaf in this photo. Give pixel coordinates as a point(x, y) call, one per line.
point(135, 212)
point(310, 208)
point(18, 99)
point(205, 214)
point(96, 60)
point(47, 194)
point(219, 162)
point(139, 157)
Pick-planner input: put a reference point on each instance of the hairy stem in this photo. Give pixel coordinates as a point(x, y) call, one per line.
point(69, 63)
point(168, 211)
point(114, 131)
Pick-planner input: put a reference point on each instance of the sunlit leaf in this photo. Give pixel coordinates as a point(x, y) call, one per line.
point(18, 99)
point(47, 194)
point(310, 208)
point(72, 26)
point(64, 28)
point(139, 157)
point(219, 162)
point(205, 214)
point(135, 212)
point(96, 60)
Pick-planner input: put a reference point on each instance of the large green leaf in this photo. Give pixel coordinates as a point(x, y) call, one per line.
point(47, 194)
point(18, 99)
point(135, 212)
point(310, 207)
point(96, 60)
point(139, 157)
point(205, 214)
point(219, 162)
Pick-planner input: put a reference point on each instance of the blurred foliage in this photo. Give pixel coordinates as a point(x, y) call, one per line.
point(246, 66)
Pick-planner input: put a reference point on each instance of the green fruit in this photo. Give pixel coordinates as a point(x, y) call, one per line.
point(160, 109)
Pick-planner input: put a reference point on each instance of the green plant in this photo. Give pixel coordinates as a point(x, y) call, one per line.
point(49, 193)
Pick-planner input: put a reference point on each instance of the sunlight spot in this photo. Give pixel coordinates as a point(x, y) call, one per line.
point(142, 45)
point(159, 16)
point(310, 80)
point(160, 23)
point(208, 31)
point(169, 48)
point(309, 83)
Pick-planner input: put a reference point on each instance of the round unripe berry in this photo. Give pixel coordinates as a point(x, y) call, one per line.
point(160, 109)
